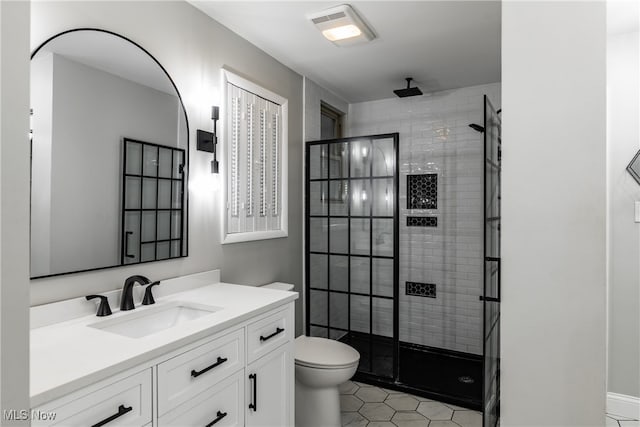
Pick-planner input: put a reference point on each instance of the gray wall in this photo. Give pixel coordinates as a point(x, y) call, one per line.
point(623, 139)
point(554, 206)
point(14, 207)
point(193, 48)
point(314, 96)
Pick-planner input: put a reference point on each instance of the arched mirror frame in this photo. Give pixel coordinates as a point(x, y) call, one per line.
point(185, 249)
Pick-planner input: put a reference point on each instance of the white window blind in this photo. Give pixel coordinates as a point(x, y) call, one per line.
point(254, 163)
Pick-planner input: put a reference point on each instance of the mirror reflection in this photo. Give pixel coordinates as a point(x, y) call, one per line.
point(109, 166)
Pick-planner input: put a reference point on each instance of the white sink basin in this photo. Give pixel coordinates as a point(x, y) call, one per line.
point(147, 321)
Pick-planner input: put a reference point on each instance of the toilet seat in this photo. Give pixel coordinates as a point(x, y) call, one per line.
point(323, 353)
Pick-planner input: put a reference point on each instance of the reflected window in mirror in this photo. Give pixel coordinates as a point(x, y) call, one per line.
point(91, 91)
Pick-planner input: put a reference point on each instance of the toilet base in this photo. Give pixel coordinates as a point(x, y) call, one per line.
point(317, 407)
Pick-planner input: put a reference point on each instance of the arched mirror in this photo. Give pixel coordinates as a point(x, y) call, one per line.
point(109, 144)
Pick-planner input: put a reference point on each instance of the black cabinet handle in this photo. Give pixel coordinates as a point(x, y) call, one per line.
point(121, 411)
point(268, 337)
point(219, 362)
point(219, 416)
point(126, 244)
point(254, 404)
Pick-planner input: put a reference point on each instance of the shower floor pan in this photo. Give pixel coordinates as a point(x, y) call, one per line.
point(444, 375)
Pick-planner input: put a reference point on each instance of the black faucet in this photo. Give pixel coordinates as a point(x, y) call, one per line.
point(148, 296)
point(126, 300)
point(103, 309)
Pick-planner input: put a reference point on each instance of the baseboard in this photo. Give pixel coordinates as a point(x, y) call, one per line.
point(623, 405)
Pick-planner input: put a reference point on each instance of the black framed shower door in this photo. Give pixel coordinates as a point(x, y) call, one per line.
point(352, 271)
point(351, 247)
point(153, 216)
point(492, 266)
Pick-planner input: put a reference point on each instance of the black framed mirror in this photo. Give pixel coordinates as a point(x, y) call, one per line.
point(634, 167)
point(109, 156)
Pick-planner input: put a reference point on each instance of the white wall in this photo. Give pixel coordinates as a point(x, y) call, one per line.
point(553, 294)
point(623, 142)
point(435, 138)
point(14, 207)
point(193, 48)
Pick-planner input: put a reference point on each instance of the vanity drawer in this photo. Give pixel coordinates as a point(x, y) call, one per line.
point(223, 402)
point(124, 403)
point(189, 374)
point(269, 333)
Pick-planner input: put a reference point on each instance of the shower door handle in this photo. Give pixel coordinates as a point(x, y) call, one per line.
point(126, 244)
point(489, 299)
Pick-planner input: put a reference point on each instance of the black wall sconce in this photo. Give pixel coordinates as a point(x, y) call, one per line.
point(207, 141)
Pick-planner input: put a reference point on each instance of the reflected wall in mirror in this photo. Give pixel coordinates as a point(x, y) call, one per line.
point(98, 100)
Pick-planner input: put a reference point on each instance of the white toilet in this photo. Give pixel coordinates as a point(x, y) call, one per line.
point(321, 365)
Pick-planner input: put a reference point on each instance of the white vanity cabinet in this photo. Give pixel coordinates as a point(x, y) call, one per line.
point(240, 376)
point(185, 376)
point(270, 383)
point(222, 406)
point(270, 377)
point(125, 402)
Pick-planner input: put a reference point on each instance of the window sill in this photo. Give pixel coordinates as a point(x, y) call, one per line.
point(254, 235)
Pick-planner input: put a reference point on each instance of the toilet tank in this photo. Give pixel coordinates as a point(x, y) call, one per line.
point(281, 286)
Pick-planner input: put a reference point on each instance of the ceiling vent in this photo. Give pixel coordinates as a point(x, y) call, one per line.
point(342, 26)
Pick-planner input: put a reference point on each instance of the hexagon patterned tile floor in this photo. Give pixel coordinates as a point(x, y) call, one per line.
point(364, 405)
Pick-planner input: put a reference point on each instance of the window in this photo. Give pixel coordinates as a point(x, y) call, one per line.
point(255, 166)
point(330, 122)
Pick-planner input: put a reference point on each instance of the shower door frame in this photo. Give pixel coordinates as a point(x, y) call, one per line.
point(396, 246)
point(490, 295)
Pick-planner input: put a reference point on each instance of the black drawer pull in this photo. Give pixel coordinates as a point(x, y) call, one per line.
point(254, 404)
point(121, 411)
point(278, 331)
point(219, 416)
point(219, 362)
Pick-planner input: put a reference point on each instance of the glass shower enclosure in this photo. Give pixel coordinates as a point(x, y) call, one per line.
point(352, 247)
point(403, 264)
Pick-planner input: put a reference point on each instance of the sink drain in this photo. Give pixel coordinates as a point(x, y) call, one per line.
point(466, 379)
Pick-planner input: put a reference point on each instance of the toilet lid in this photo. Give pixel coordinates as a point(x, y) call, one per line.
point(324, 353)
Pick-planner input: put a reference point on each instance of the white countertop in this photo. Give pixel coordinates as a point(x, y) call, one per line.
point(70, 355)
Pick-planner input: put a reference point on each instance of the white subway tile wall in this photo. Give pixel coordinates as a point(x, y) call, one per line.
point(435, 137)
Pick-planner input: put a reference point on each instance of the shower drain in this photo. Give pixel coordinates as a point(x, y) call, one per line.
point(466, 379)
